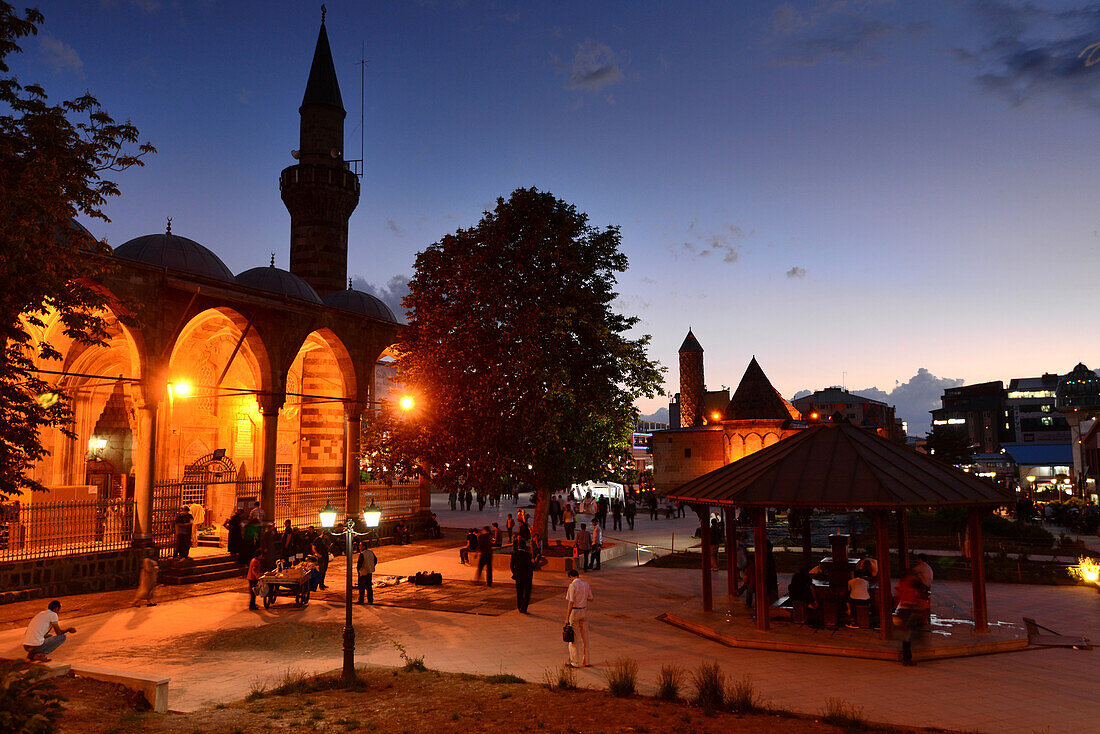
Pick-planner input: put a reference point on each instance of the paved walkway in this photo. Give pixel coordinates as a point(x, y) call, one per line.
point(214, 649)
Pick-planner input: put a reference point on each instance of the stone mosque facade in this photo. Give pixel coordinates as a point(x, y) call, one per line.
point(230, 387)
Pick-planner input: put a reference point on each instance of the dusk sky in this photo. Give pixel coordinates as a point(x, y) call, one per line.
point(850, 191)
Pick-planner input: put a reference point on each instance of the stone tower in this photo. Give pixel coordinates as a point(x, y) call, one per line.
point(320, 192)
point(691, 382)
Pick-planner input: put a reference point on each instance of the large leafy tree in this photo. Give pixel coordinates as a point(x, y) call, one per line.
point(52, 159)
point(521, 368)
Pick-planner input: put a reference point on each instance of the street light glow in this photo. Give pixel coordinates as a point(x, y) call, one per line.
point(181, 389)
point(407, 402)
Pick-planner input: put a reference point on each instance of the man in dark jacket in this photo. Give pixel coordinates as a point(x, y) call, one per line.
point(485, 556)
point(523, 571)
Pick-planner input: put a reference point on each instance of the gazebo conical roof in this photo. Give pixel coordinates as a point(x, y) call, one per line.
point(839, 466)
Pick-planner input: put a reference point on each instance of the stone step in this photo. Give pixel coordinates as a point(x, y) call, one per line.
point(202, 576)
point(7, 597)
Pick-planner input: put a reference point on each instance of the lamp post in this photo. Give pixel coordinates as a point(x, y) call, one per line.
point(371, 516)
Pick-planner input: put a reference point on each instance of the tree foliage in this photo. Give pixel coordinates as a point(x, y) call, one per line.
point(52, 161)
point(522, 369)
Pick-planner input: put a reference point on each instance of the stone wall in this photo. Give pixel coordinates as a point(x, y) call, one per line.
point(61, 576)
point(679, 456)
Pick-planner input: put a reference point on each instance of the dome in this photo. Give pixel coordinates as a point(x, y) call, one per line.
point(176, 253)
point(1081, 387)
point(361, 303)
point(277, 280)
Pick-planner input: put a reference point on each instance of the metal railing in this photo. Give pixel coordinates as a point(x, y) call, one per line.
point(400, 499)
point(170, 496)
point(51, 529)
point(300, 505)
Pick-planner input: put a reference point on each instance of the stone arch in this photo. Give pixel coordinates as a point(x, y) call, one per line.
point(770, 438)
point(753, 443)
point(217, 369)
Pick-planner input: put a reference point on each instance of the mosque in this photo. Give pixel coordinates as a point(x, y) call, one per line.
point(222, 389)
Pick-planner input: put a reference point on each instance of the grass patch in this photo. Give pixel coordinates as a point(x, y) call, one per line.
point(670, 679)
point(742, 697)
point(412, 664)
point(709, 683)
point(256, 691)
point(839, 712)
point(504, 678)
point(563, 679)
point(622, 677)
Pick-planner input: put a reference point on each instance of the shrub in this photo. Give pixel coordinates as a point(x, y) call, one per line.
point(622, 677)
point(28, 702)
point(742, 696)
point(669, 681)
point(564, 678)
point(504, 678)
point(841, 713)
point(411, 663)
point(710, 687)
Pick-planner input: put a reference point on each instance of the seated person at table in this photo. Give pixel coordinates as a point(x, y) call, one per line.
point(801, 588)
point(311, 570)
point(859, 592)
point(868, 568)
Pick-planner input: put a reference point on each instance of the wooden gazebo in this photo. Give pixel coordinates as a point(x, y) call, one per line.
point(839, 467)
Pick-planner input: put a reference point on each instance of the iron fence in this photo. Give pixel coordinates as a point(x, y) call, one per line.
point(51, 529)
point(300, 505)
point(170, 496)
point(400, 499)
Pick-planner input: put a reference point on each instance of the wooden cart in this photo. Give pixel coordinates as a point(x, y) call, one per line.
point(280, 586)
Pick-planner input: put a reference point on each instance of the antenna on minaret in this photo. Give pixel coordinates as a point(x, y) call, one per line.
point(362, 64)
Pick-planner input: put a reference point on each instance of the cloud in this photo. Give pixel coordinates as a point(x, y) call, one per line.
point(1024, 51)
point(914, 398)
point(796, 272)
point(391, 294)
point(149, 6)
point(837, 30)
point(594, 67)
point(725, 243)
point(59, 55)
point(392, 226)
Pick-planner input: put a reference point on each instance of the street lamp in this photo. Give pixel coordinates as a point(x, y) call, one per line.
point(371, 516)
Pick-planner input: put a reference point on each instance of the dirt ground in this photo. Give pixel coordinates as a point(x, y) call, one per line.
point(413, 702)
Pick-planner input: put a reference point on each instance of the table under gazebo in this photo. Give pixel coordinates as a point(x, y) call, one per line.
point(838, 466)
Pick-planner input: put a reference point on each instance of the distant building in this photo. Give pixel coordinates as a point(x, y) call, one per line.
point(711, 429)
point(1032, 417)
point(977, 409)
point(856, 409)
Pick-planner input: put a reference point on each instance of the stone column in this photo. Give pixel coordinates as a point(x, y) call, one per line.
point(145, 467)
point(354, 413)
point(270, 403)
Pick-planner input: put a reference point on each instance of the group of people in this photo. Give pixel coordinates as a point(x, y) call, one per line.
point(464, 499)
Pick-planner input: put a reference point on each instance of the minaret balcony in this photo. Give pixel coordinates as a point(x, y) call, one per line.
point(307, 173)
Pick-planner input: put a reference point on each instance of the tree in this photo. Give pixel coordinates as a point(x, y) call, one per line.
point(523, 371)
point(949, 444)
point(51, 161)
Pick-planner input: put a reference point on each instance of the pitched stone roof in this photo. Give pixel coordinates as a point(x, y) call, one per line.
point(755, 398)
point(322, 87)
point(691, 344)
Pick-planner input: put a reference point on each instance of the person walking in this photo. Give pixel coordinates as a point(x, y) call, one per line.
point(148, 583)
point(617, 515)
point(583, 544)
point(630, 511)
point(523, 571)
point(577, 597)
point(255, 571)
point(471, 546)
point(912, 611)
point(510, 527)
point(364, 567)
point(568, 520)
point(597, 546)
point(452, 499)
point(257, 513)
point(652, 506)
point(321, 550)
point(484, 556)
point(44, 634)
point(554, 511)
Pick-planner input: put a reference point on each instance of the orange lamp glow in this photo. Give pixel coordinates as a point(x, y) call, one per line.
point(181, 389)
point(716, 416)
point(407, 403)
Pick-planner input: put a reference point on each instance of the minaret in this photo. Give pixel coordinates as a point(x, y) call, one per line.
point(320, 192)
point(691, 382)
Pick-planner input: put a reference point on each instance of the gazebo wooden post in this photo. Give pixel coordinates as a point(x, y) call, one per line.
point(807, 542)
point(977, 569)
point(731, 551)
point(882, 551)
point(763, 603)
point(903, 541)
point(704, 535)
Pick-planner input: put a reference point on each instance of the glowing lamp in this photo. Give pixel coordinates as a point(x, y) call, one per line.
point(328, 516)
point(372, 516)
point(716, 416)
point(1031, 477)
point(407, 403)
point(97, 444)
point(1087, 570)
point(813, 416)
point(181, 389)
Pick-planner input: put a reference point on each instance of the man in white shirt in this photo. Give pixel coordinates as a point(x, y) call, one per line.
point(44, 634)
point(923, 571)
point(577, 597)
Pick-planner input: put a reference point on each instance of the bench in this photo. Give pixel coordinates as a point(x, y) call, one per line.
point(1037, 638)
point(152, 687)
